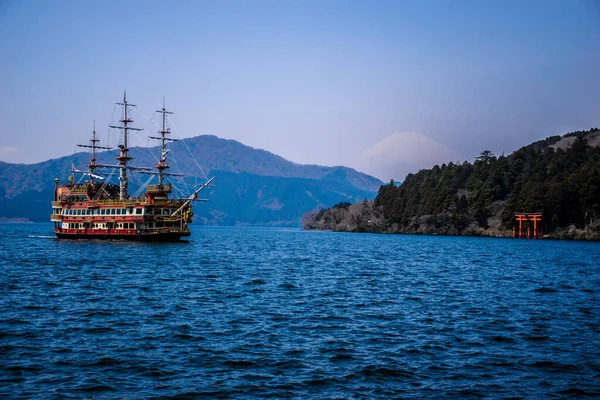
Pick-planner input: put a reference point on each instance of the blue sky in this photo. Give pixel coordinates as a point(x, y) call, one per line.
point(386, 87)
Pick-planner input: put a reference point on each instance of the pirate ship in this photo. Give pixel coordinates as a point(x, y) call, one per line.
point(97, 209)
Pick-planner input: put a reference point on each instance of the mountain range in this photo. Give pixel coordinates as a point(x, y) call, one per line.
point(252, 186)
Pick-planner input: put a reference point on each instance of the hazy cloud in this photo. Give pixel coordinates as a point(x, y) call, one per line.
point(6, 150)
point(402, 153)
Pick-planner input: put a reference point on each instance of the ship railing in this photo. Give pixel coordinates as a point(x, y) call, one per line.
point(159, 188)
point(165, 229)
point(119, 202)
point(82, 190)
point(103, 203)
point(171, 203)
point(133, 202)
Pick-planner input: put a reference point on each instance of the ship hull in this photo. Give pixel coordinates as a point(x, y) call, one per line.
point(148, 237)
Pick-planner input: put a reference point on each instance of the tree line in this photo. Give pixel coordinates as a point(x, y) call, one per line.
point(481, 197)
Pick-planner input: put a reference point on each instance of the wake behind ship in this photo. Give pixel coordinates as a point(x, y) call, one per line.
point(96, 209)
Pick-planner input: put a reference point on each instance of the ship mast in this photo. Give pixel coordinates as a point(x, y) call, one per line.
point(123, 158)
point(162, 162)
point(92, 165)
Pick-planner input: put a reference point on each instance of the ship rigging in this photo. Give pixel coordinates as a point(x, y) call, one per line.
point(98, 209)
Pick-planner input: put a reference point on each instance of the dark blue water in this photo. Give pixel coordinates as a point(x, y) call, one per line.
point(243, 312)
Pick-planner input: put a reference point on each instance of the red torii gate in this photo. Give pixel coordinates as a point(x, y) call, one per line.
point(522, 217)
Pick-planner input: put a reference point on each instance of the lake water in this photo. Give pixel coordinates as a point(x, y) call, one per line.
point(253, 312)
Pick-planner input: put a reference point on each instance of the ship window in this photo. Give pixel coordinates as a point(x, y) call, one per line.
point(102, 211)
point(112, 211)
point(138, 211)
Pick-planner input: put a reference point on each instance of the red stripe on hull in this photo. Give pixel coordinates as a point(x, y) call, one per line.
point(142, 237)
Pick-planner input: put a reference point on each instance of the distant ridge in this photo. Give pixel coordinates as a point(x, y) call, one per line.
point(215, 153)
point(26, 188)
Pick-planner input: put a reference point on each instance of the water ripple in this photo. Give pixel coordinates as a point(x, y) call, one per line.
point(251, 312)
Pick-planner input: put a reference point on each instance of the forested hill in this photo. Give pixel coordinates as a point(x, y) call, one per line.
point(253, 186)
point(559, 176)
